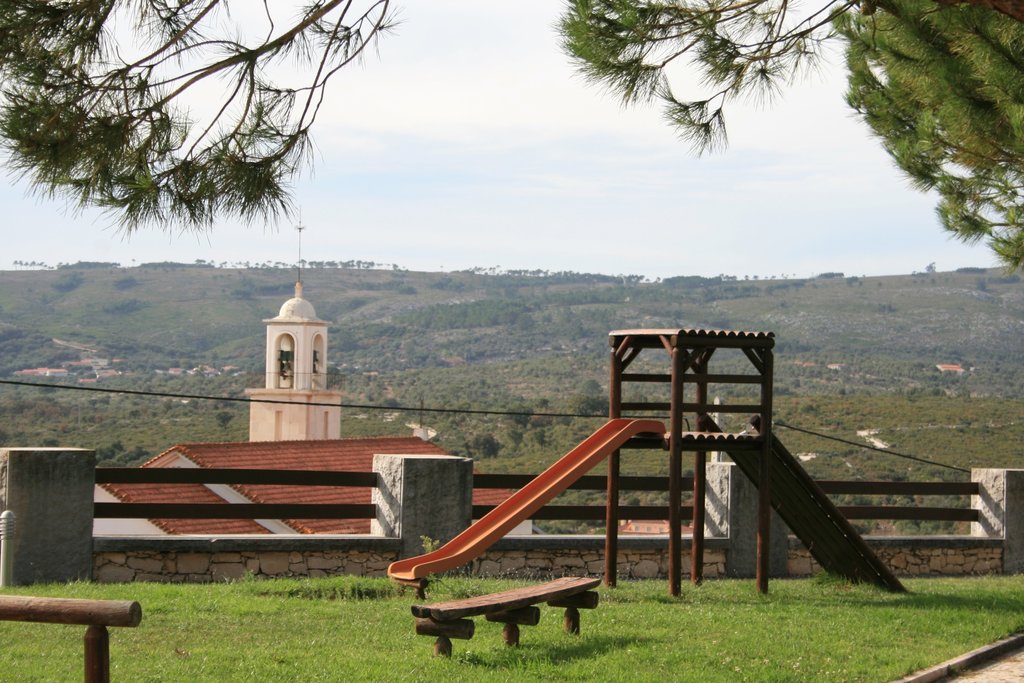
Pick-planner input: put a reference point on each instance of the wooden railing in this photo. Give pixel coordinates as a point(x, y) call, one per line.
point(117, 475)
point(155, 475)
point(904, 488)
point(587, 483)
point(96, 614)
point(833, 488)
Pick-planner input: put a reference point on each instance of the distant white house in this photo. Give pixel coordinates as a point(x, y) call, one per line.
point(951, 367)
point(42, 372)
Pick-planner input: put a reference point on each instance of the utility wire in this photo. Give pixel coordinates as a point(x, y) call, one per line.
point(455, 411)
point(906, 456)
point(239, 399)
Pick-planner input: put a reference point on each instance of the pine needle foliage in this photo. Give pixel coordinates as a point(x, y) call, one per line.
point(944, 91)
point(172, 113)
point(743, 48)
point(940, 83)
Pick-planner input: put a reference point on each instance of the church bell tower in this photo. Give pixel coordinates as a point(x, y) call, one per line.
point(295, 403)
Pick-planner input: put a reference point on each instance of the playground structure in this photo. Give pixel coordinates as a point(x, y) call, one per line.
point(781, 481)
point(783, 485)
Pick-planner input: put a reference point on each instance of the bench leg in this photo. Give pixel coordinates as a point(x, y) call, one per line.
point(443, 647)
point(97, 655)
point(572, 621)
point(510, 634)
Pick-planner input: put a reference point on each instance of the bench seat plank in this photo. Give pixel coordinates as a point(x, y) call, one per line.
point(506, 600)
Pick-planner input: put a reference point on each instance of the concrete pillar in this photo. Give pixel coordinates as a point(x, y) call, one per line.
point(1000, 504)
point(421, 496)
point(731, 512)
point(50, 491)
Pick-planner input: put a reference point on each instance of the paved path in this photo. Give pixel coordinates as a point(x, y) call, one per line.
point(1005, 670)
point(999, 662)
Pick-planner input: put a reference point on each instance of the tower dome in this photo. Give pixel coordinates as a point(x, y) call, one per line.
point(297, 309)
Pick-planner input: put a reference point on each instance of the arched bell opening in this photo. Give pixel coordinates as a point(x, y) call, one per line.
point(284, 352)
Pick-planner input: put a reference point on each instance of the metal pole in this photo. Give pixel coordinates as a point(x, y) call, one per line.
point(6, 551)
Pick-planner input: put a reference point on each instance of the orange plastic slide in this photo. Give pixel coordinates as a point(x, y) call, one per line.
point(526, 501)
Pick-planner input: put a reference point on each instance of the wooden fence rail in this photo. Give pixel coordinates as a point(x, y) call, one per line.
point(153, 475)
point(230, 476)
point(656, 483)
point(97, 615)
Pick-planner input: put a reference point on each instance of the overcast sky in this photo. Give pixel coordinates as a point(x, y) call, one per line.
point(468, 140)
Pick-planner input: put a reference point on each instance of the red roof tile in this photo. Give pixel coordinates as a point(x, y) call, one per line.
point(342, 455)
point(183, 493)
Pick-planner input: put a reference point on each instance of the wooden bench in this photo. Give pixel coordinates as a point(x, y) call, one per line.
point(514, 608)
point(96, 614)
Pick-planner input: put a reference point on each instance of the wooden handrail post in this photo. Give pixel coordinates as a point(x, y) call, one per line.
point(96, 614)
point(97, 655)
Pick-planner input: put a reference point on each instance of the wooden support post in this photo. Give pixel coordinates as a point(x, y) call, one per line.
point(764, 511)
point(572, 621)
point(700, 459)
point(420, 585)
point(443, 647)
point(510, 634)
point(611, 534)
point(97, 655)
point(675, 476)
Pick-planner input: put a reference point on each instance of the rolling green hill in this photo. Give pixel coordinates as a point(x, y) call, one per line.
point(853, 354)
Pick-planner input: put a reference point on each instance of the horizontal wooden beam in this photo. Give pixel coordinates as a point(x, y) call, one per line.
point(586, 483)
point(924, 514)
point(652, 377)
point(593, 512)
point(693, 377)
point(522, 616)
point(200, 475)
point(900, 488)
point(234, 511)
point(455, 628)
point(586, 600)
point(70, 611)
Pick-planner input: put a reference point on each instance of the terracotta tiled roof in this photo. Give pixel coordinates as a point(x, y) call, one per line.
point(183, 493)
point(344, 455)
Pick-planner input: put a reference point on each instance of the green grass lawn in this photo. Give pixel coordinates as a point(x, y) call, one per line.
point(356, 629)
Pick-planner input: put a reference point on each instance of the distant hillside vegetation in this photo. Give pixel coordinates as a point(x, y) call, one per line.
point(853, 353)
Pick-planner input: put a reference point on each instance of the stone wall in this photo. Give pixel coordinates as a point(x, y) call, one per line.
point(538, 557)
point(918, 556)
point(204, 560)
point(208, 559)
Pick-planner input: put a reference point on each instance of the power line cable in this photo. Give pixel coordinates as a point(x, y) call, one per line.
point(779, 423)
point(239, 399)
point(455, 411)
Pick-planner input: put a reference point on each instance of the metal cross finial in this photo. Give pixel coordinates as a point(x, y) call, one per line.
point(299, 228)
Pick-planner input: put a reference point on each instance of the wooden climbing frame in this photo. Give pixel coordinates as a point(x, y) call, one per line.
point(689, 353)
